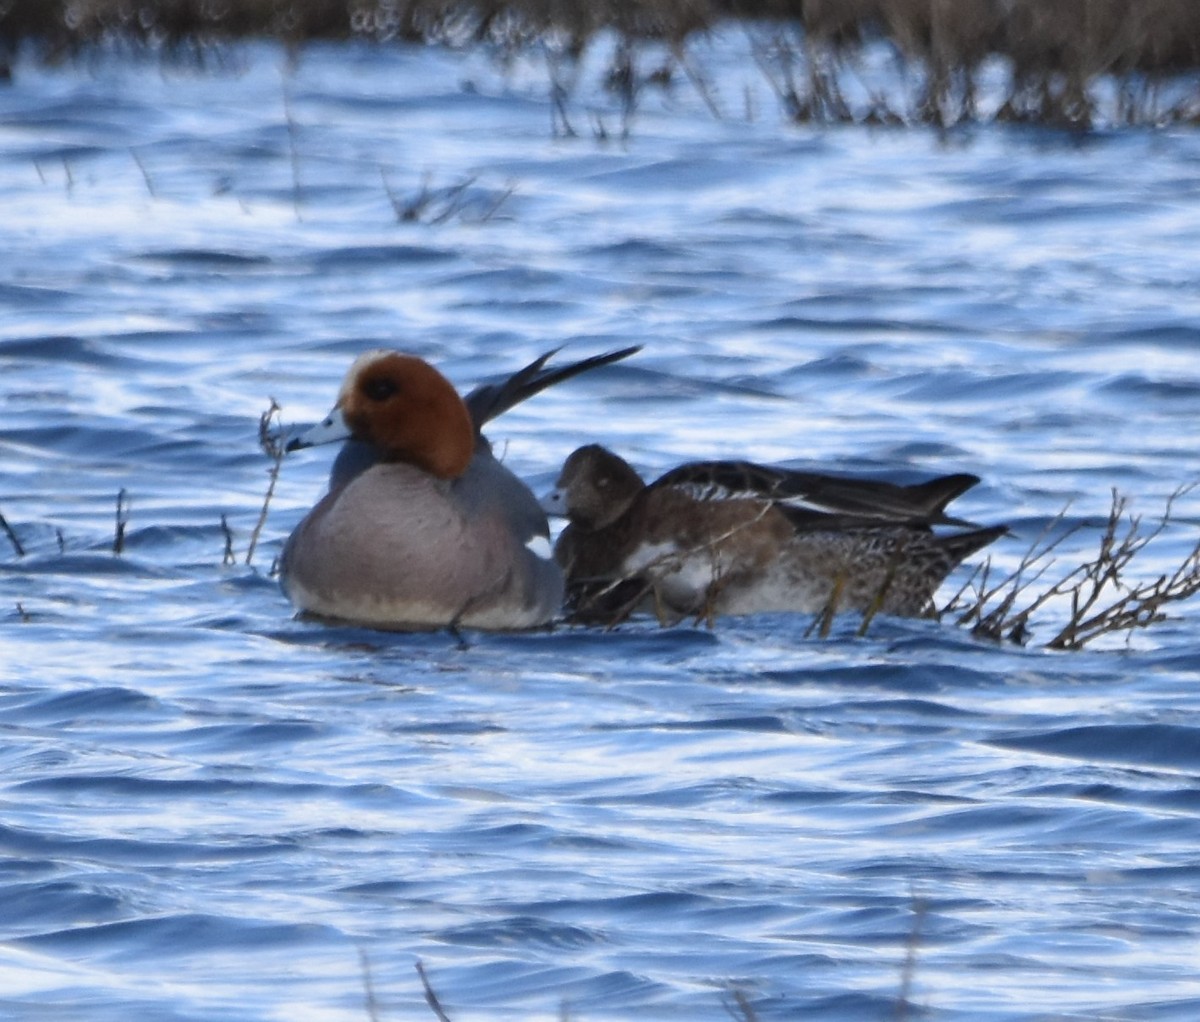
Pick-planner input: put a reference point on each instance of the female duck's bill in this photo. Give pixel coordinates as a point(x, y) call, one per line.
point(422, 528)
point(733, 537)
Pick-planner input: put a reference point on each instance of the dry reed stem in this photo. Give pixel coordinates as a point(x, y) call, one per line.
point(419, 208)
point(12, 536)
point(431, 997)
point(145, 173)
point(293, 151)
point(744, 1009)
point(122, 520)
point(371, 1003)
point(268, 440)
point(228, 557)
point(908, 970)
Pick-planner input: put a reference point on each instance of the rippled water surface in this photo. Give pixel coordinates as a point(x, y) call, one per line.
point(214, 811)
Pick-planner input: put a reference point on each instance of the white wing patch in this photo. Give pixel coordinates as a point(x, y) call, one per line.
point(710, 491)
point(800, 501)
point(540, 547)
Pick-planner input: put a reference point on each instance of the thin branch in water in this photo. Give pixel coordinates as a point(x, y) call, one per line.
point(372, 1004)
point(123, 508)
point(393, 198)
point(12, 536)
point(293, 149)
point(958, 602)
point(494, 208)
point(228, 557)
point(145, 173)
point(745, 1010)
point(268, 440)
point(740, 1010)
point(453, 200)
point(909, 969)
point(699, 82)
point(431, 998)
point(410, 211)
point(560, 123)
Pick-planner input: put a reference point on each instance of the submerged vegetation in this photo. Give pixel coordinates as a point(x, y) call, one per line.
point(1063, 62)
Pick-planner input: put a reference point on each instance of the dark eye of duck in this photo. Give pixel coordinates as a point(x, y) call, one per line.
point(380, 388)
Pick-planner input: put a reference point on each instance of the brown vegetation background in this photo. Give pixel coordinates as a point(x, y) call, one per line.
point(1055, 49)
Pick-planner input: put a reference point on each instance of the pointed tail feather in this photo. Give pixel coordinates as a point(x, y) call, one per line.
point(492, 399)
point(961, 545)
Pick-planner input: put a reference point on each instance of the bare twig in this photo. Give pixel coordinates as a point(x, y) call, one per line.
point(909, 969)
point(453, 198)
point(228, 556)
point(145, 173)
point(293, 148)
point(123, 507)
point(372, 1004)
point(1138, 606)
point(560, 123)
point(494, 208)
point(12, 536)
point(699, 82)
point(740, 1010)
point(1100, 600)
point(431, 998)
point(452, 202)
point(269, 441)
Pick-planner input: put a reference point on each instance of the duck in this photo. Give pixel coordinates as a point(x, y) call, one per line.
point(422, 528)
point(711, 538)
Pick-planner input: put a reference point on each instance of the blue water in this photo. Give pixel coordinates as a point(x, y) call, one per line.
point(211, 810)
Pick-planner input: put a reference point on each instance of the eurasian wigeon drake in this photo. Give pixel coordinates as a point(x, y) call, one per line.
point(732, 537)
point(422, 528)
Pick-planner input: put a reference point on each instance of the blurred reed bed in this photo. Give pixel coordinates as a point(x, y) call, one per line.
point(1069, 63)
